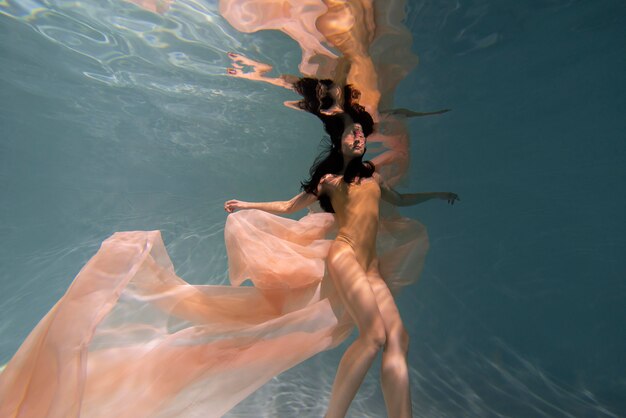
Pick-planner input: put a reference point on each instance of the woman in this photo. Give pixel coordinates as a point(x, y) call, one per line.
point(350, 188)
point(131, 339)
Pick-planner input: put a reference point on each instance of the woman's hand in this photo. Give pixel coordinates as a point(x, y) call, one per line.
point(449, 196)
point(232, 205)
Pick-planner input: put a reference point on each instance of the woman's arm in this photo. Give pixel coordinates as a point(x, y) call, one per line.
point(408, 113)
point(257, 71)
point(408, 199)
point(295, 204)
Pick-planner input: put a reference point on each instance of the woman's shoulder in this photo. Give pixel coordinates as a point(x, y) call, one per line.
point(377, 178)
point(330, 179)
point(328, 183)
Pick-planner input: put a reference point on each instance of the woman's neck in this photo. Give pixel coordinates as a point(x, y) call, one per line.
point(346, 163)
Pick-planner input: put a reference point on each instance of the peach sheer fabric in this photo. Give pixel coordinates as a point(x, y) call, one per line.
point(130, 339)
point(373, 43)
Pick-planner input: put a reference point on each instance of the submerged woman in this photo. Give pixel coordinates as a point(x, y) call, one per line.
point(131, 339)
point(346, 185)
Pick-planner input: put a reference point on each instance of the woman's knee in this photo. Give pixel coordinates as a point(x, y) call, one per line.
point(398, 340)
point(394, 367)
point(374, 335)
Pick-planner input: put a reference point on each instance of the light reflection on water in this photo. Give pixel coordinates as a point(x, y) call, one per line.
point(115, 118)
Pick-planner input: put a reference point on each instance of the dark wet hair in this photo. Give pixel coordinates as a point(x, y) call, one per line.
point(314, 92)
point(316, 98)
point(330, 160)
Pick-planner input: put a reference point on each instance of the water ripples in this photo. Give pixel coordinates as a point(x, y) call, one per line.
point(456, 382)
point(131, 46)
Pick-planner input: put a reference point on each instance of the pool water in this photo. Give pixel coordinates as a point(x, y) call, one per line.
point(114, 118)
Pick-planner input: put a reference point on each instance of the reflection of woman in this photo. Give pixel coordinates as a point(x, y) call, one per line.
point(330, 94)
point(350, 188)
point(324, 97)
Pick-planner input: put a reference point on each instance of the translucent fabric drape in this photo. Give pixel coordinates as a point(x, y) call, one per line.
point(131, 339)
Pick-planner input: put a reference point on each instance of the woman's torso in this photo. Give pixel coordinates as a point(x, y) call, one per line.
point(356, 208)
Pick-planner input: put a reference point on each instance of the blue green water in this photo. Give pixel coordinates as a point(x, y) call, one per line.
point(113, 118)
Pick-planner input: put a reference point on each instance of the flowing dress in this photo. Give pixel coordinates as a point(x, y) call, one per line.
point(131, 339)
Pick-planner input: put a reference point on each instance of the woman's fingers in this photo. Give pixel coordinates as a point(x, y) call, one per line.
point(229, 206)
point(451, 197)
point(232, 205)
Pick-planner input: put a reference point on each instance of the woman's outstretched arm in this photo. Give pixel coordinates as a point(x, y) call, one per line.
point(408, 113)
point(257, 71)
point(408, 199)
point(295, 204)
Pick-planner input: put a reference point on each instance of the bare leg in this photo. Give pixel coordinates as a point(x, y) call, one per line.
point(394, 372)
point(354, 289)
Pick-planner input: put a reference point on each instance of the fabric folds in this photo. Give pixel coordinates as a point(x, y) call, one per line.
point(131, 339)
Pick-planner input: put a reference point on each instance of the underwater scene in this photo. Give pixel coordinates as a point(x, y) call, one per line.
point(149, 115)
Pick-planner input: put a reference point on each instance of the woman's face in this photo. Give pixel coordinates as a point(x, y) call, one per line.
point(353, 141)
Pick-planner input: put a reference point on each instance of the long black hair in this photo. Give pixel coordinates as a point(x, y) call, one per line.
point(316, 98)
point(330, 160)
point(314, 92)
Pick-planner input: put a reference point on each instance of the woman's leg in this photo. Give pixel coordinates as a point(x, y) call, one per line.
point(356, 293)
point(394, 372)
